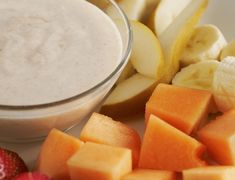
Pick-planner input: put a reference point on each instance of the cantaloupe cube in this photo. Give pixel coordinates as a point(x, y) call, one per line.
point(100, 162)
point(167, 148)
point(148, 174)
point(181, 107)
point(102, 129)
point(210, 173)
point(219, 137)
point(55, 151)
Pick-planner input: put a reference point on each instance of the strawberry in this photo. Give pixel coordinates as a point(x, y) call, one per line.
point(31, 176)
point(10, 164)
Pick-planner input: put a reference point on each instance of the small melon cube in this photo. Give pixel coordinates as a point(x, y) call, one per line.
point(167, 148)
point(98, 161)
point(181, 107)
point(55, 151)
point(148, 174)
point(219, 137)
point(210, 173)
point(102, 129)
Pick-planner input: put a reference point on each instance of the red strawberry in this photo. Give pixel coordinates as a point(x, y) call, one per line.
point(10, 164)
point(31, 176)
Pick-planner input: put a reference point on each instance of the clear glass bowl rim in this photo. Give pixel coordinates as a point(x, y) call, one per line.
point(87, 92)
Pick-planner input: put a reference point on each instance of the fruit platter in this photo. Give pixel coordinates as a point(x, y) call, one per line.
point(165, 111)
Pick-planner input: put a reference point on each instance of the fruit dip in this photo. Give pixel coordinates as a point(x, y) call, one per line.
point(52, 50)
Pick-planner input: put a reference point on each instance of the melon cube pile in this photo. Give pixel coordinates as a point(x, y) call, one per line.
point(178, 143)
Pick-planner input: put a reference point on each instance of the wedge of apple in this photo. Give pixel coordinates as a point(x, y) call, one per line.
point(134, 9)
point(174, 39)
point(127, 72)
point(147, 55)
point(165, 14)
point(129, 97)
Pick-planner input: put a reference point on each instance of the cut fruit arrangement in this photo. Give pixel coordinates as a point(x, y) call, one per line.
point(181, 76)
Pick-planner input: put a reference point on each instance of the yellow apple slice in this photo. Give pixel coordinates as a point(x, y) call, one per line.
point(165, 14)
point(134, 9)
point(127, 72)
point(175, 38)
point(129, 96)
point(147, 56)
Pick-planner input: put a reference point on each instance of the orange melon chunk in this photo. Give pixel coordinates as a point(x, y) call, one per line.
point(167, 148)
point(219, 137)
point(55, 151)
point(210, 173)
point(102, 129)
point(181, 107)
point(98, 161)
point(148, 174)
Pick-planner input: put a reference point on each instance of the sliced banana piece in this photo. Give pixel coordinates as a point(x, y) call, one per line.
point(197, 76)
point(165, 14)
point(206, 42)
point(224, 84)
point(147, 56)
point(174, 39)
point(228, 50)
point(134, 9)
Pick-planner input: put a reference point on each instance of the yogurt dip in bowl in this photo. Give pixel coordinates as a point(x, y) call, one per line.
point(58, 59)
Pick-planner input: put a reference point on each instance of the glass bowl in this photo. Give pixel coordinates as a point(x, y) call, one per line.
point(31, 123)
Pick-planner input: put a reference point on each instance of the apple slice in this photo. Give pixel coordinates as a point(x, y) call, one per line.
point(147, 56)
point(134, 9)
point(127, 72)
point(175, 38)
point(129, 96)
point(165, 14)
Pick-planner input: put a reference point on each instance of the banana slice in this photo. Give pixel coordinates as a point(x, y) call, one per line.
point(165, 14)
point(206, 42)
point(224, 84)
point(175, 38)
point(134, 9)
point(197, 76)
point(228, 50)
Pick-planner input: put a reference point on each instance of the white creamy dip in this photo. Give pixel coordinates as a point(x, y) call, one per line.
point(53, 49)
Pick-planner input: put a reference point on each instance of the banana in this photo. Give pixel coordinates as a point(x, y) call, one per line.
point(197, 76)
point(175, 38)
point(224, 84)
point(228, 50)
point(206, 42)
